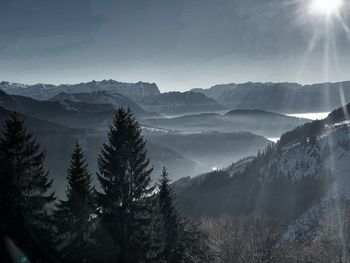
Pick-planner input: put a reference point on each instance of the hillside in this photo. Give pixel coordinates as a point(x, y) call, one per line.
point(73, 113)
point(308, 165)
point(173, 103)
point(216, 91)
point(106, 98)
point(211, 150)
point(58, 141)
point(263, 123)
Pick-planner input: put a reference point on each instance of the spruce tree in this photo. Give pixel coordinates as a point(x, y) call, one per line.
point(125, 177)
point(180, 239)
point(74, 216)
point(170, 222)
point(24, 192)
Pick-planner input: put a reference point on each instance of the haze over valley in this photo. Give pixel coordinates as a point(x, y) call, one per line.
point(175, 131)
point(205, 134)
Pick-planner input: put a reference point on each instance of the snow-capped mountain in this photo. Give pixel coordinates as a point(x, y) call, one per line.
point(135, 91)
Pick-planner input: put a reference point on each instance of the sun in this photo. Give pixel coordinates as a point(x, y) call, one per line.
point(325, 7)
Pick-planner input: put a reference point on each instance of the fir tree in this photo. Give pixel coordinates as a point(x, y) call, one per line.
point(170, 222)
point(74, 216)
point(124, 177)
point(24, 192)
point(180, 241)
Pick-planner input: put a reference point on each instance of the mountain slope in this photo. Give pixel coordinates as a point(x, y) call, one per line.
point(135, 91)
point(286, 97)
point(58, 141)
point(146, 95)
point(216, 91)
point(308, 164)
point(210, 150)
point(67, 112)
point(102, 98)
point(263, 123)
point(180, 103)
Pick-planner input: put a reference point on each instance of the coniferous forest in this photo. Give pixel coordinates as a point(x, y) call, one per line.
point(267, 208)
point(125, 219)
point(174, 131)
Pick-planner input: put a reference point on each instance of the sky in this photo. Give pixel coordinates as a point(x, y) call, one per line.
point(178, 44)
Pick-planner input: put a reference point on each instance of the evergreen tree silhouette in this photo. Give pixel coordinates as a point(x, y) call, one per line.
point(125, 177)
point(74, 216)
point(180, 238)
point(24, 193)
point(171, 221)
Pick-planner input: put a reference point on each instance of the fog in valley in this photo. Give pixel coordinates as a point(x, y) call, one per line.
point(175, 131)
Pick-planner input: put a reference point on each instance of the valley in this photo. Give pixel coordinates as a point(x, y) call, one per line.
point(188, 144)
point(175, 131)
point(229, 162)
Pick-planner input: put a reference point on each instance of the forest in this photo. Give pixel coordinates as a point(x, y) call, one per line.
point(126, 218)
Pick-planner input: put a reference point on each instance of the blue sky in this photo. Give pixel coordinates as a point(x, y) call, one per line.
point(179, 44)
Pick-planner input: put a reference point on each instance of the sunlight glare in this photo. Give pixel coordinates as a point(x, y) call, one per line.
point(325, 7)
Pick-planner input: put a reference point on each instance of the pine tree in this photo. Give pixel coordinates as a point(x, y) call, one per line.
point(170, 221)
point(124, 177)
point(180, 238)
point(24, 192)
point(156, 234)
point(74, 216)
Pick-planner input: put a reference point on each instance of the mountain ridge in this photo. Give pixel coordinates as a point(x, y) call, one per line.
point(283, 97)
point(137, 91)
point(308, 165)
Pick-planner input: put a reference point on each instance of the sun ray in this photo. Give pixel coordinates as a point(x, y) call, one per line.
point(305, 59)
point(344, 25)
point(326, 53)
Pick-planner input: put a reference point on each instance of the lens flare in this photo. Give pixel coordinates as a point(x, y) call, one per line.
point(325, 7)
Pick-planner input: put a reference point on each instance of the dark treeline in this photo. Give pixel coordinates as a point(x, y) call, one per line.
point(261, 187)
point(308, 132)
point(126, 220)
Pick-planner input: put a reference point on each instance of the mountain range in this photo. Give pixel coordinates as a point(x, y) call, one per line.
point(276, 97)
point(141, 96)
point(200, 139)
point(61, 122)
point(281, 97)
point(136, 91)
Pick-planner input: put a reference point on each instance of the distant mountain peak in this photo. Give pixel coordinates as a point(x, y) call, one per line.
point(135, 91)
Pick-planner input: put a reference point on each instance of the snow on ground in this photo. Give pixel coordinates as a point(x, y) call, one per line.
point(299, 161)
point(311, 115)
point(273, 139)
point(335, 137)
